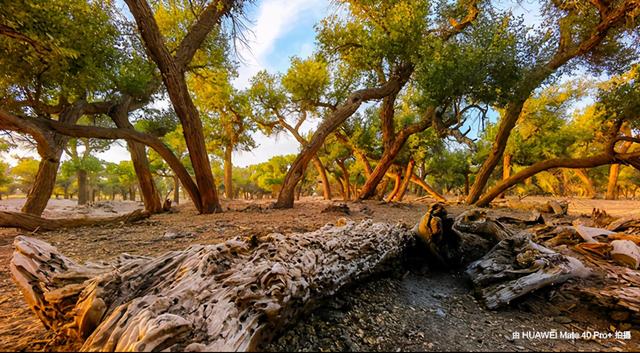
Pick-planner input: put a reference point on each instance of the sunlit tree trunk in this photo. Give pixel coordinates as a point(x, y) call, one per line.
point(345, 180)
point(506, 169)
point(45, 181)
point(326, 186)
point(405, 181)
point(614, 169)
point(587, 182)
point(396, 187)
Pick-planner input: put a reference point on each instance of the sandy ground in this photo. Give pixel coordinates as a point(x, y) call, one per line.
point(413, 308)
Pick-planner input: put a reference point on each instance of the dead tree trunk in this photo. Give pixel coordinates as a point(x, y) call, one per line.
point(231, 296)
point(33, 223)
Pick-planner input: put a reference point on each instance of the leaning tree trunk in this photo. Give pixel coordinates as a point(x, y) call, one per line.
point(507, 124)
point(588, 183)
point(405, 182)
point(326, 186)
point(330, 124)
point(232, 296)
point(396, 187)
point(45, 181)
point(83, 187)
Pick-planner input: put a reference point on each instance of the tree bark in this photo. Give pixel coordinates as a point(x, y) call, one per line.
point(405, 182)
point(228, 172)
point(173, 70)
point(231, 296)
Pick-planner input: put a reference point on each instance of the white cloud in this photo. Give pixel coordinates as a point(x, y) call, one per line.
point(274, 20)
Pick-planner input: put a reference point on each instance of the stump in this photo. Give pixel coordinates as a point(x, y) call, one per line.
point(517, 266)
point(227, 297)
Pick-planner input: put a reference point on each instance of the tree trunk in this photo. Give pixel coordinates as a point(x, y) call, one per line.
point(148, 189)
point(426, 187)
point(506, 169)
point(588, 183)
point(507, 123)
point(330, 124)
point(34, 223)
point(127, 134)
point(466, 184)
point(173, 70)
point(231, 296)
point(326, 187)
point(344, 180)
point(405, 182)
point(176, 190)
point(382, 190)
point(390, 153)
point(228, 173)
point(83, 187)
point(396, 187)
point(614, 171)
point(45, 181)
point(132, 193)
point(587, 162)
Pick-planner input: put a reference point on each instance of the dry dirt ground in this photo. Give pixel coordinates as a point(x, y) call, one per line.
point(411, 308)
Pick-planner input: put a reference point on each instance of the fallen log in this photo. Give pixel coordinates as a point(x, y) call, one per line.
point(32, 223)
point(517, 266)
point(227, 297)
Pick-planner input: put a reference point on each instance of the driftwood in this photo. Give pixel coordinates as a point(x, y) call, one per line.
point(32, 222)
point(517, 266)
point(226, 297)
